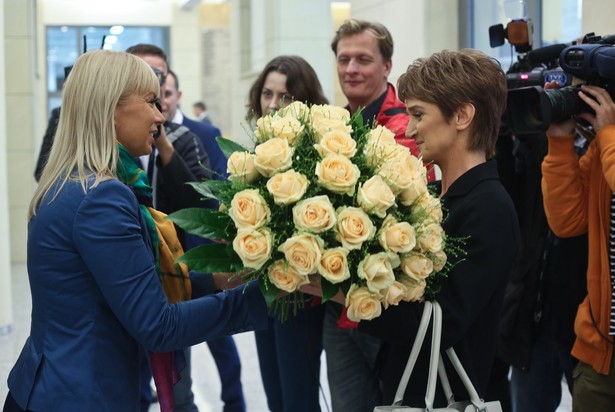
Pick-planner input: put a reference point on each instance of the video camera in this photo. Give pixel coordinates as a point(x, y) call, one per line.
point(530, 108)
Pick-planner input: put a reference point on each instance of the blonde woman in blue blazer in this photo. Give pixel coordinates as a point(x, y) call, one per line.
point(97, 299)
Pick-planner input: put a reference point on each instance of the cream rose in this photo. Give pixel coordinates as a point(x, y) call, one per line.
point(354, 227)
point(375, 196)
point(416, 265)
point(381, 134)
point(439, 260)
point(380, 146)
point(415, 290)
point(296, 109)
point(263, 130)
point(240, 166)
point(284, 277)
point(397, 237)
point(362, 304)
point(287, 128)
point(324, 125)
point(273, 156)
point(337, 141)
point(394, 294)
point(417, 188)
point(428, 208)
point(253, 246)
point(377, 271)
point(337, 174)
point(315, 214)
point(333, 265)
point(326, 111)
point(249, 209)
point(303, 252)
point(430, 237)
point(287, 187)
point(398, 170)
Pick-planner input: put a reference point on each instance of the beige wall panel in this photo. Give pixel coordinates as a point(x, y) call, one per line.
point(19, 122)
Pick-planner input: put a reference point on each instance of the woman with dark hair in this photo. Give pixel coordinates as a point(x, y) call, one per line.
point(289, 351)
point(283, 80)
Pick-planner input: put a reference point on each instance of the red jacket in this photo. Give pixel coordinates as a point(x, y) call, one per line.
point(392, 115)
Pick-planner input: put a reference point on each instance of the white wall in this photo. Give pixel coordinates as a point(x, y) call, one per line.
point(598, 17)
point(6, 314)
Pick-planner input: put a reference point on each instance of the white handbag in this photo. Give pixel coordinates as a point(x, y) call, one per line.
point(436, 368)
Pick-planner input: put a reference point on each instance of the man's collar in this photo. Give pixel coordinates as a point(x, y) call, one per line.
point(370, 112)
point(178, 118)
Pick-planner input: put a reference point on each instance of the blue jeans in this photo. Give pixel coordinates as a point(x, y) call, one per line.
point(351, 366)
point(224, 352)
point(540, 389)
point(289, 359)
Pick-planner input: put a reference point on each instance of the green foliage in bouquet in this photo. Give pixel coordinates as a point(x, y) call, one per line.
point(323, 199)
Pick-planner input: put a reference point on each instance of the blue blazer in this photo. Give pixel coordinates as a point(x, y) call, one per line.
point(96, 301)
point(207, 133)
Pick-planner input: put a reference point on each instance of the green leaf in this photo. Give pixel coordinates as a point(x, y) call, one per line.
point(206, 223)
point(212, 257)
point(212, 189)
point(228, 146)
point(270, 292)
point(328, 289)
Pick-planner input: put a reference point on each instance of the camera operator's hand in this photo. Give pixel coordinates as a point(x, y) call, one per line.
point(561, 129)
point(601, 102)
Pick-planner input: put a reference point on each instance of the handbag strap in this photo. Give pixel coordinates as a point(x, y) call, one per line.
point(434, 357)
point(414, 353)
point(452, 355)
point(436, 365)
point(448, 392)
point(474, 398)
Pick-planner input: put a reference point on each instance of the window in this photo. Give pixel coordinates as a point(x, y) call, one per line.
point(65, 44)
point(554, 21)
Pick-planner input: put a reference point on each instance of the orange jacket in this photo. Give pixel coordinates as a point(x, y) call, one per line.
point(577, 195)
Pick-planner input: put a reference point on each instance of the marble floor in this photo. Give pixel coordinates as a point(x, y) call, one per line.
point(206, 386)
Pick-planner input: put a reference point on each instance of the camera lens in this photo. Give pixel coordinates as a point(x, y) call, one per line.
point(532, 109)
point(564, 103)
point(528, 109)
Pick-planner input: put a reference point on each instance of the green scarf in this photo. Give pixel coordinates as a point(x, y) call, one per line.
point(173, 276)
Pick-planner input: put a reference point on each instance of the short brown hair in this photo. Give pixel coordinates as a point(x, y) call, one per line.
point(353, 26)
point(450, 79)
point(301, 82)
point(142, 49)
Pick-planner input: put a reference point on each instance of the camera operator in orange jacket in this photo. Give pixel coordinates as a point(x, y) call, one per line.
point(579, 197)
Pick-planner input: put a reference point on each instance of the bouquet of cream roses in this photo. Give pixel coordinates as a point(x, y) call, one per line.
point(323, 198)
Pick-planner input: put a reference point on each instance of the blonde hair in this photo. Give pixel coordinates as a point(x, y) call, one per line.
point(85, 143)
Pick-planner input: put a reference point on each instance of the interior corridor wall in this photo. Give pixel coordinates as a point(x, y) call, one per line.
point(6, 306)
point(418, 27)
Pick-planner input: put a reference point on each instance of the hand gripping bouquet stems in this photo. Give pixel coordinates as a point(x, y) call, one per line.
point(322, 197)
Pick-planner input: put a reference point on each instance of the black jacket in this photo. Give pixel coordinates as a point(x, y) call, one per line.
point(189, 163)
point(548, 280)
point(50, 133)
point(471, 296)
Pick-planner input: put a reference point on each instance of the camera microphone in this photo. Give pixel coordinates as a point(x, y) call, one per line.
point(545, 54)
point(608, 39)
